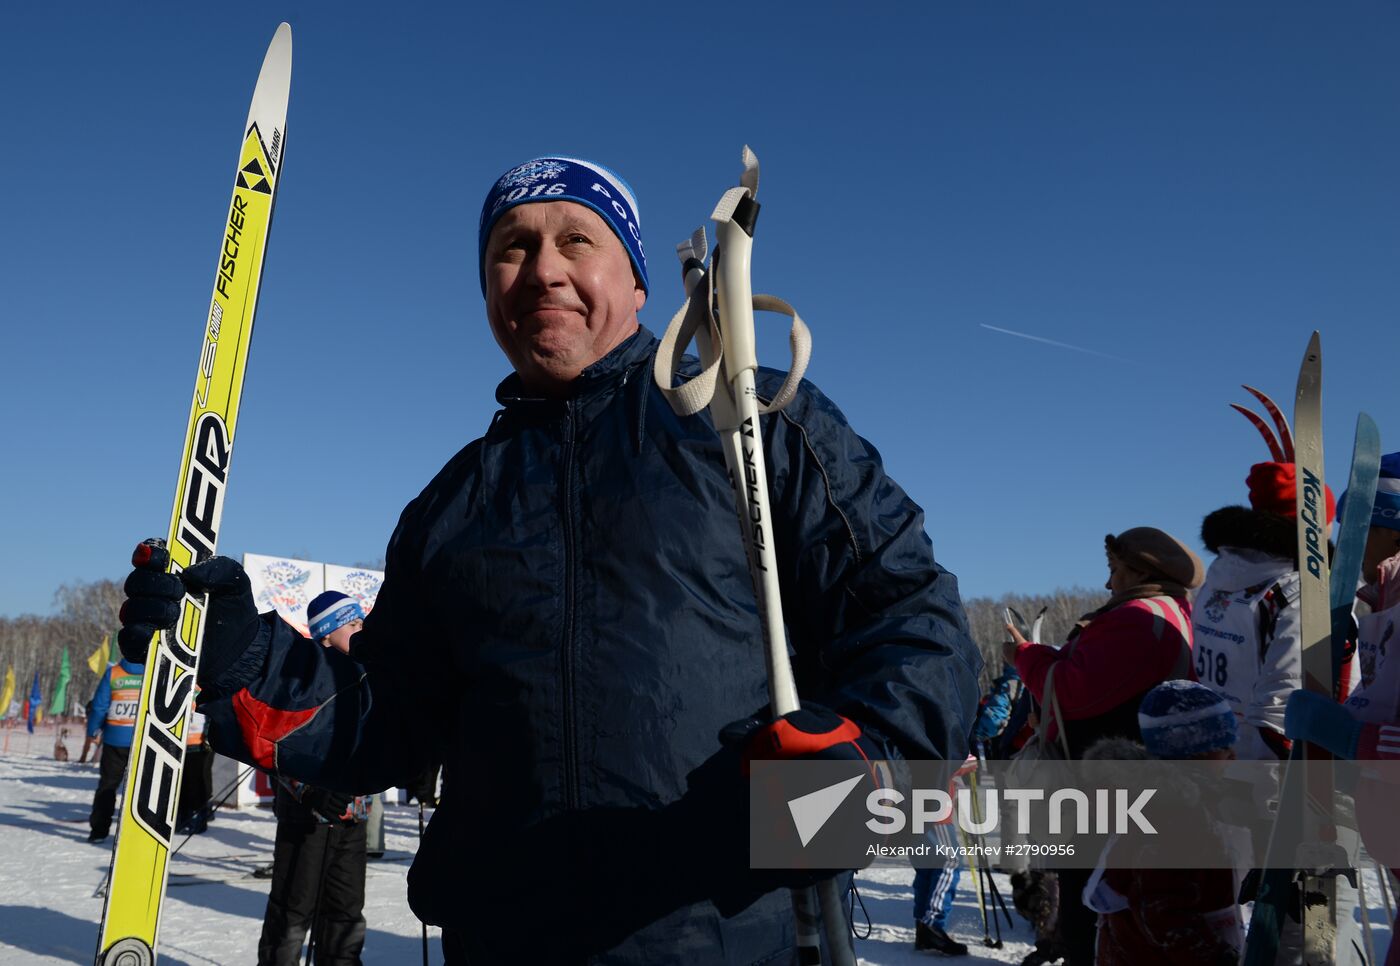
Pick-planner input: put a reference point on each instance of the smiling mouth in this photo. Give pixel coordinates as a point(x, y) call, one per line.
point(548, 313)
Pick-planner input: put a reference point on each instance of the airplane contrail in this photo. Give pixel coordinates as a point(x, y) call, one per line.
point(1062, 345)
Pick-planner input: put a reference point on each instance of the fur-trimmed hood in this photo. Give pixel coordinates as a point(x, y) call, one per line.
point(1247, 529)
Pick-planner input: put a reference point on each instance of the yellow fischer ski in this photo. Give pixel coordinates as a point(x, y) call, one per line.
point(131, 917)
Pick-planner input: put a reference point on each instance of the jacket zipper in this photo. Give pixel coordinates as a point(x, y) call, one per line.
point(566, 655)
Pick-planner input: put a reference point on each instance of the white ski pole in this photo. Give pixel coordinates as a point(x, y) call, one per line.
point(744, 453)
point(729, 358)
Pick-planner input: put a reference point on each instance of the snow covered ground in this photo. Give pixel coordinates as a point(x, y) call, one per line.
point(49, 913)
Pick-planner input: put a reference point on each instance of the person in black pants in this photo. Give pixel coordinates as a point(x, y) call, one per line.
point(113, 716)
point(197, 786)
point(318, 878)
point(318, 866)
point(110, 773)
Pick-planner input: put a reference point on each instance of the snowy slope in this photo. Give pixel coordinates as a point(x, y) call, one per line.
point(49, 913)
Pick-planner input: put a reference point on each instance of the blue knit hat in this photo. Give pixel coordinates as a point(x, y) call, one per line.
point(1385, 512)
point(1184, 719)
point(330, 611)
point(566, 179)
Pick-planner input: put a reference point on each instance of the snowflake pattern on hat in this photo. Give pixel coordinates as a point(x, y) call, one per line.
point(530, 172)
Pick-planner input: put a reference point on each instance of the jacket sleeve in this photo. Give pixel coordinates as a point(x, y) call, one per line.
point(1280, 665)
point(994, 712)
point(101, 701)
point(1117, 656)
point(324, 718)
point(876, 625)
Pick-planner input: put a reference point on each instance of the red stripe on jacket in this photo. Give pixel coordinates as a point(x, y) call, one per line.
point(263, 726)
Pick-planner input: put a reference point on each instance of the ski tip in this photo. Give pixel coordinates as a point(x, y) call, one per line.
point(1310, 372)
point(281, 43)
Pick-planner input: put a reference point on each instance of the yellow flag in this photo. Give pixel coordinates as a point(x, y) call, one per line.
point(7, 694)
point(99, 657)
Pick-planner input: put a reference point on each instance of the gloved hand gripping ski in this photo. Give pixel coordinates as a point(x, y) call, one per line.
point(153, 604)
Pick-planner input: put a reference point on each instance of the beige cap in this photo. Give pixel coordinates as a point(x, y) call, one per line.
point(1157, 553)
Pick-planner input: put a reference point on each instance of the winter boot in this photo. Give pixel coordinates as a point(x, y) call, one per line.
point(932, 939)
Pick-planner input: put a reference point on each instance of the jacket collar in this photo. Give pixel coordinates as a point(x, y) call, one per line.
point(599, 377)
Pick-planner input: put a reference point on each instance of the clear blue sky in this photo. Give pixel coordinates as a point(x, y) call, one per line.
point(1190, 188)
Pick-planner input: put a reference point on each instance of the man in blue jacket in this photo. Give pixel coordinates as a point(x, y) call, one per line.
point(567, 620)
point(113, 715)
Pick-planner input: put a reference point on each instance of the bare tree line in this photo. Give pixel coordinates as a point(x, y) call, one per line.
point(88, 611)
point(986, 617)
point(85, 613)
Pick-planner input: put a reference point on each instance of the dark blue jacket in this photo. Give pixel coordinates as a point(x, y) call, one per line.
point(566, 608)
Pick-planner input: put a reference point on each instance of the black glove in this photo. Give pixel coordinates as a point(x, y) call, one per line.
point(230, 619)
point(812, 733)
point(334, 807)
point(153, 602)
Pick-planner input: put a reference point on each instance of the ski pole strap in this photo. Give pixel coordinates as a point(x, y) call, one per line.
point(697, 314)
point(694, 395)
point(1050, 709)
point(690, 397)
point(799, 339)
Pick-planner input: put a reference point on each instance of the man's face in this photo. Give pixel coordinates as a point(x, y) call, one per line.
point(560, 293)
point(340, 637)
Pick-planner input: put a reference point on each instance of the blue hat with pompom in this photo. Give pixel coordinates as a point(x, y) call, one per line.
point(1185, 719)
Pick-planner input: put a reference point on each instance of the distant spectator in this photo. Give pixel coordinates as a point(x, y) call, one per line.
point(1114, 656)
point(197, 785)
point(114, 717)
point(1155, 916)
point(318, 868)
point(994, 712)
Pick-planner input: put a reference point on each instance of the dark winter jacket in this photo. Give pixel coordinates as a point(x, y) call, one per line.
point(567, 606)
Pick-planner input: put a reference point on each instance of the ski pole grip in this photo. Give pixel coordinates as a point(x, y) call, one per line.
point(736, 298)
